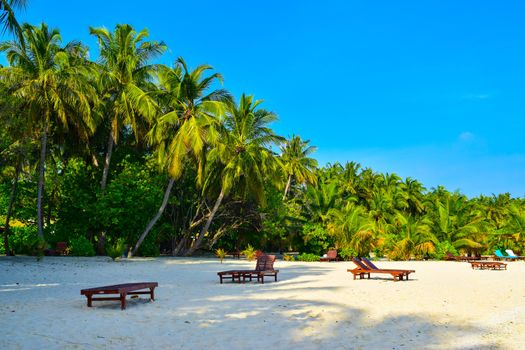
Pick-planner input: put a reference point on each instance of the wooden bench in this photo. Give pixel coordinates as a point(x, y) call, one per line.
point(122, 289)
point(264, 267)
point(488, 265)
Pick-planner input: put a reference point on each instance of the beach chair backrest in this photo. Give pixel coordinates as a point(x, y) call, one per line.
point(265, 263)
point(511, 253)
point(499, 254)
point(331, 254)
point(369, 263)
point(360, 264)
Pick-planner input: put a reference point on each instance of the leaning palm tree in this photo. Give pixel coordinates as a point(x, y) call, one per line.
point(296, 162)
point(52, 80)
point(125, 68)
point(190, 116)
point(242, 159)
point(7, 16)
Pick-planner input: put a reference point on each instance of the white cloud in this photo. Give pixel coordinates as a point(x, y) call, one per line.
point(466, 136)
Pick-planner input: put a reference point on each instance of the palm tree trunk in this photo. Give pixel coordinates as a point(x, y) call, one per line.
point(102, 235)
point(107, 161)
point(41, 180)
point(197, 243)
point(155, 218)
point(10, 208)
point(287, 188)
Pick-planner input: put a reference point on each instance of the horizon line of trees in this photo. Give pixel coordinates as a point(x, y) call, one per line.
point(163, 159)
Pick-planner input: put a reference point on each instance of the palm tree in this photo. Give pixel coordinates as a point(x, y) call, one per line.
point(353, 228)
point(296, 163)
point(7, 16)
point(125, 69)
point(53, 83)
point(242, 156)
point(416, 237)
point(188, 124)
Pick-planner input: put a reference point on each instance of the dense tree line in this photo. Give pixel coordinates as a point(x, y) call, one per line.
point(125, 151)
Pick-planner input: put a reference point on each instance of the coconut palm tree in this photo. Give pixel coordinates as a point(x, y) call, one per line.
point(242, 158)
point(353, 228)
point(7, 16)
point(296, 163)
point(416, 237)
point(125, 68)
point(190, 117)
point(52, 81)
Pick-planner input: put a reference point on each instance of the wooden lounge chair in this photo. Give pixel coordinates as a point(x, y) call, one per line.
point(122, 290)
point(450, 257)
point(363, 270)
point(488, 265)
point(264, 267)
point(60, 249)
point(331, 255)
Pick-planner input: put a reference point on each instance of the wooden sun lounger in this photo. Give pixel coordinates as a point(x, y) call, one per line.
point(331, 255)
point(263, 268)
point(363, 270)
point(488, 265)
point(122, 289)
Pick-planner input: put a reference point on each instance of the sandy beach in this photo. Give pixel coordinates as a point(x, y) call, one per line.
point(445, 305)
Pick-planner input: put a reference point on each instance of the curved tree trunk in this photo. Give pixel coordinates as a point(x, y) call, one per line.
point(155, 218)
point(107, 161)
point(197, 243)
point(10, 208)
point(41, 180)
point(102, 235)
point(287, 188)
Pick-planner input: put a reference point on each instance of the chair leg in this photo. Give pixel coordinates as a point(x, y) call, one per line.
point(89, 300)
point(122, 301)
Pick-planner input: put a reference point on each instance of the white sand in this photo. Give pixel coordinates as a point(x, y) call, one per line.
point(445, 305)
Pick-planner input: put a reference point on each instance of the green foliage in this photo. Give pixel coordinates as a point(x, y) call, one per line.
point(308, 257)
point(249, 252)
point(24, 240)
point(149, 247)
point(116, 249)
point(442, 248)
point(347, 253)
point(220, 253)
point(316, 239)
point(81, 246)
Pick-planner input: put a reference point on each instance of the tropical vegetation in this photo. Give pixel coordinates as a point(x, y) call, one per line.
point(124, 155)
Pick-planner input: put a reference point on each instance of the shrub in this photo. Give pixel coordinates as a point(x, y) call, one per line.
point(308, 257)
point(287, 257)
point(316, 239)
point(24, 240)
point(149, 247)
point(81, 246)
point(116, 250)
point(249, 252)
point(442, 248)
point(347, 253)
point(221, 254)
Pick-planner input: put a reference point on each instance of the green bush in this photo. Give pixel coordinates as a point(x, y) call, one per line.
point(149, 247)
point(347, 253)
point(308, 257)
point(442, 248)
point(24, 240)
point(316, 239)
point(81, 246)
point(116, 249)
point(249, 252)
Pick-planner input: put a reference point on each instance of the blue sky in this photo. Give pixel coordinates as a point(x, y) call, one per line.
point(428, 89)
